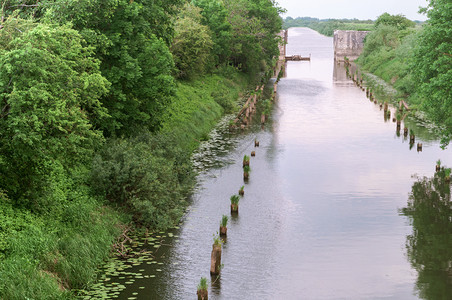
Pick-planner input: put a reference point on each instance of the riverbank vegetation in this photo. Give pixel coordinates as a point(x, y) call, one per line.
point(327, 26)
point(101, 105)
point(417, 61)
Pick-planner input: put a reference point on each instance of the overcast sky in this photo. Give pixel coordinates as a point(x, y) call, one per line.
point(350, 9)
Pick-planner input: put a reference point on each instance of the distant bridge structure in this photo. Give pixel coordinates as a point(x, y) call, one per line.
point(348, 43)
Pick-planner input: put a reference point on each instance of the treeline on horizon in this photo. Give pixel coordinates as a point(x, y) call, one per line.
point(101, 105)
point(327, 26)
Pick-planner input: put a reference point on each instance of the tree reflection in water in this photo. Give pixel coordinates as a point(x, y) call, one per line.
point(429, 247)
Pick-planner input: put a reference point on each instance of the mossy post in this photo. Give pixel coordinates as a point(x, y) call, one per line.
point(202, 289)
point(223, 225)
point(234, 204)
point(246, 160)
point(215, 258)
point(241, 190)
point(246, 173)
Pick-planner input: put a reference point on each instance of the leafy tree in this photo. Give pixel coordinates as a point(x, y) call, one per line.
point(131, 40)
point(254, 27)
point(215, 16)
point(192, 43)
point(398, 21)
point(25, 8)
point(432, 67)
point(50, 87)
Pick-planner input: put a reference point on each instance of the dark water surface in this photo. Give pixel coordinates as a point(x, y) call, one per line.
point(321, 217)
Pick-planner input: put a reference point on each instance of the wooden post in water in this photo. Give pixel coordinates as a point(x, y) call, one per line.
point(215, 259)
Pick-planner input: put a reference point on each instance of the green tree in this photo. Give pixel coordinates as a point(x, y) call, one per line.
point(215, 16)
point(192, 43)
point(254, 27)
point(398, 21)
point(131, 40)
point(50, 87)
point(432, 67)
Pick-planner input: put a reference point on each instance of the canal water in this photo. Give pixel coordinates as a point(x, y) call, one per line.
point(323, 212)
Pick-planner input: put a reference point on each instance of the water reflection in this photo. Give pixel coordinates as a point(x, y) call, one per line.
point(429, 247)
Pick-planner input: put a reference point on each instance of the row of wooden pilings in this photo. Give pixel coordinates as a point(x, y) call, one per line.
point(400, 114)
point(215, 257)
point(246, 113)
point(244, 117)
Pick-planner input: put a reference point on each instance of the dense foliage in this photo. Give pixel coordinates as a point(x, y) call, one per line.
point(416, 60)
point(327, 26)
point(50, 87)
point(215, 16)
point(192, 43)
point(254, 27)
point(397, 21)
point(101, 104)
point(432, 65)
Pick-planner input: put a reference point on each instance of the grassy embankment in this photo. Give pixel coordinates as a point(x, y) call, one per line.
point(44, 255)
point(387, 61)
point(387, 54)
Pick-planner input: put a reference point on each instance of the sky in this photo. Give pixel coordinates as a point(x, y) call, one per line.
point(350, 9)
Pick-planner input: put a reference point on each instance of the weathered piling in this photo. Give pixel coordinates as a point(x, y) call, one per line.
point(215, 259)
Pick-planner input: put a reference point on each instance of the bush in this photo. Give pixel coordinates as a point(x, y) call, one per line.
point(141, 177)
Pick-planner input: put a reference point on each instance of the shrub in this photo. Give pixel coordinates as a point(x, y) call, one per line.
point(143, 177)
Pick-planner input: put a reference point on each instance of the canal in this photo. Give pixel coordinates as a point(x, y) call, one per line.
point(323, 212)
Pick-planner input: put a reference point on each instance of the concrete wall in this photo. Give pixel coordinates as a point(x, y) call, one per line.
point(348, 43)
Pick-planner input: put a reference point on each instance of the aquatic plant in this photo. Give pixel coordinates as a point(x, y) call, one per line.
point(202, 286)
point(235, 199)
point(246, 160)
point(202, 289)
point(224, 221)
point(241, 191)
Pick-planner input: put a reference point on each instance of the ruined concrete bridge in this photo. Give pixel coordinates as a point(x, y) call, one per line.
point(348, 43)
